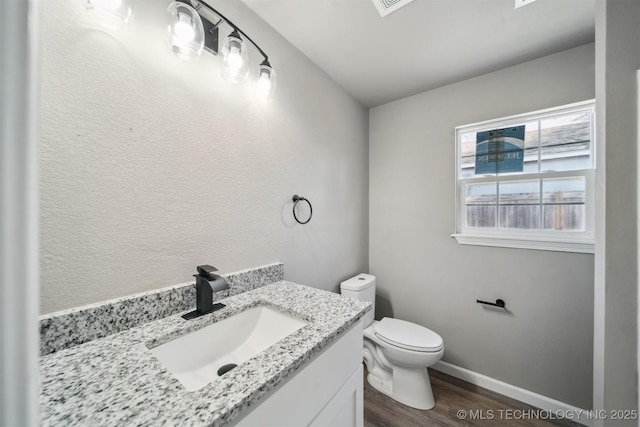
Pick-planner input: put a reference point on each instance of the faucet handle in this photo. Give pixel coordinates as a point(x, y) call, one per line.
point(206, 270)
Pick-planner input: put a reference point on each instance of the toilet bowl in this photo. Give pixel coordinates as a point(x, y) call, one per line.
point(396, 352)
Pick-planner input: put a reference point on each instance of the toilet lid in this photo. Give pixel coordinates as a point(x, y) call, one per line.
point(407, 335)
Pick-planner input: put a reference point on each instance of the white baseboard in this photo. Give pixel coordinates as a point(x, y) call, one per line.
point(555, 407)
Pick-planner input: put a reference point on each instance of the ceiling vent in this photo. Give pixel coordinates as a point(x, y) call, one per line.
point(385, 7)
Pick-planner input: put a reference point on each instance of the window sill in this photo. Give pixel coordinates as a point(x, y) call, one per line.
point(528, 242)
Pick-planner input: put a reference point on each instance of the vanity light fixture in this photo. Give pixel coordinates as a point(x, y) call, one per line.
point(190, 22)
point(191, 27)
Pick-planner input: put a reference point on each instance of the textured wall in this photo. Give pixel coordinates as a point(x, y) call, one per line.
point(544, 342)
point(151, 165)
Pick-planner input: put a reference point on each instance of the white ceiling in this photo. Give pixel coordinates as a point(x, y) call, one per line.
point(427, 43)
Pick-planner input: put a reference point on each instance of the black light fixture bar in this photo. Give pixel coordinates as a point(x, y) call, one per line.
point(211, 30)
point(211, 38)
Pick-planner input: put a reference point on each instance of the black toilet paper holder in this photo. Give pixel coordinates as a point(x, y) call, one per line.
point(499, 303)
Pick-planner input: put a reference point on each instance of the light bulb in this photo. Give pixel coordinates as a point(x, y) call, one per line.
point(234, 59)
point(183, 29)
point(265, 86)
point(264, 83)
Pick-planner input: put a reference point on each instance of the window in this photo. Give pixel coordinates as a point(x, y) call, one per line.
point(527, 181)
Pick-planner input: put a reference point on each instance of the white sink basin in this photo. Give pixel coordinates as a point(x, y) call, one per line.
point(196, 358)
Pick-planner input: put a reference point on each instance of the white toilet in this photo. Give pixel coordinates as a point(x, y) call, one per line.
point(396, 352)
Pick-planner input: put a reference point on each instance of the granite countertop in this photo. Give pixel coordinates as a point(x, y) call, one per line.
point(117, 381)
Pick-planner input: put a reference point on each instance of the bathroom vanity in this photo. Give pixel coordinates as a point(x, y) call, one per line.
point(312, 376)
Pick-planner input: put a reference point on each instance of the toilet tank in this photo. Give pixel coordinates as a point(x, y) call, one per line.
point(361, 287)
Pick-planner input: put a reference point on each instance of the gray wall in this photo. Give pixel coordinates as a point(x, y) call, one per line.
point(616, 264)
point(151, 165)
point(544, 342)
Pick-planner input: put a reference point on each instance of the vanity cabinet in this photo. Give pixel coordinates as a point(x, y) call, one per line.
point(326, 391)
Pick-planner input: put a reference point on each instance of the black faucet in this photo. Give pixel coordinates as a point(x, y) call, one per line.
point(206, 284)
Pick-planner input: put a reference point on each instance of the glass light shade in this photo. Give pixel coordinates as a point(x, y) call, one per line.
point(267, 83)
point(185, 33)
point(236, 59)
point(111, 14)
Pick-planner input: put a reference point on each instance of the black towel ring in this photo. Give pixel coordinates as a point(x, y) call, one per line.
point(297, 199)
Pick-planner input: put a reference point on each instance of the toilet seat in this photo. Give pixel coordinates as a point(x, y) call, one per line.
point(407, 335)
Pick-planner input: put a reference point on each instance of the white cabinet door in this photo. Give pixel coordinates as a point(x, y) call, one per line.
point(317, 387)
point(346, 407)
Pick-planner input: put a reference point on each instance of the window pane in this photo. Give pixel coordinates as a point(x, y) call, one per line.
point(481, 194)
point(564, 200)
point(520, 204)
point(467, 155)
point(565, 142)
point(480, 201)
point(520, 192)
point(563, 190)
point(564, 217)
point(481, 216)
point(520, 216)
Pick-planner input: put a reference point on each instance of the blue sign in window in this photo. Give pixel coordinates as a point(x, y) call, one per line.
point(500, 151)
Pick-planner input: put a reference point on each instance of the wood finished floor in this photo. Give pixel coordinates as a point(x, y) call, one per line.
point(452, 395)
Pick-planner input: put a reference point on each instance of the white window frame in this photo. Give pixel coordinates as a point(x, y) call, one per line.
point(564, 241)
